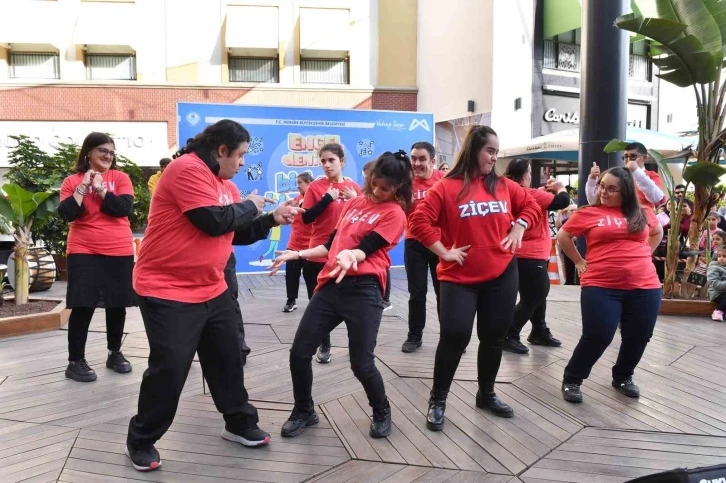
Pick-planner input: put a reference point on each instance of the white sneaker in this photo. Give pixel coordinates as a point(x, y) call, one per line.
point(717, 315)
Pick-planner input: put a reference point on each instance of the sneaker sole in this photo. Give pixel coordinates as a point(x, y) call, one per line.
point(120, 371)
point(312, 421)
point(142, 468)
point(543, 343)
point(379, 435)
point(244, 442)
point(572, 399)
point(387, 308)
point(288, 311)
point(626, 394)
point(516, 351)
point(498, 414)
point(77, 378)
point(434, 427)
point(323, 361)
point(408, 351)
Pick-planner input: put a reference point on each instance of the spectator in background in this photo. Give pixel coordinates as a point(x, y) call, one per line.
point(444, 168)
point(155, 177)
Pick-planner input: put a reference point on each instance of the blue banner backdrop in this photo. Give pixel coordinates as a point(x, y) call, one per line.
point(285, 141)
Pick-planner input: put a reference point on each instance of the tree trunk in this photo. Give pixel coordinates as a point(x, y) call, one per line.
point(701, 205)
point(22, 271)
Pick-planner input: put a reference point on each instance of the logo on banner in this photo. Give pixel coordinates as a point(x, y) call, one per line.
point(419, 123)
point(366, 148)
point(254, 172)
point(193, 118)
point(391, 125)
point(257, 145)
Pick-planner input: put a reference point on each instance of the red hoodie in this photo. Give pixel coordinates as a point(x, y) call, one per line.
point(536, 242)
point(477, 219)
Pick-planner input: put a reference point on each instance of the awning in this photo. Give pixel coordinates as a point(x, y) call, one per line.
point(560, 16)
point(34, 23)
point(324, 32)
point(108, 24)
point(252, 30)
point(564, 145)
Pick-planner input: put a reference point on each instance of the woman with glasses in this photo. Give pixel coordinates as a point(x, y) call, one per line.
point(649, 186)
point(618, 279)
point(97, 201)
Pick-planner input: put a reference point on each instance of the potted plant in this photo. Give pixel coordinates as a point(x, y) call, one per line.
point(689, 43)
point(22, 209)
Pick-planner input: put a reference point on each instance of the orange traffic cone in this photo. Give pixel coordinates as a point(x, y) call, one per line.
point(553, 268)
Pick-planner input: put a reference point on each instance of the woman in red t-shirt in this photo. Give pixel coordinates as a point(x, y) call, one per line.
point(97, 201)
point(472, 207)
point(350, 289)
point(532, 261)
point(325, 199)
point(619, 281)
point(299, 240)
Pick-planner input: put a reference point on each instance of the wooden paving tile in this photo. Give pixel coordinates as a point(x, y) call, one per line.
point(193, 451)
point(370, 472)
point(267, 375)
point(607, 455)
point(33, 452)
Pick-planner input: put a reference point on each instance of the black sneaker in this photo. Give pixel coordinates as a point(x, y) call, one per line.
point(80, 371)
point(572, 393)
point(387, 305)
point(543, 337)
point(490, 401)
point(323, 355)
point(118, 362)
point(412, 343)
point(381, 424)
point(289, 306)
point(627, 388)
point(247, 437)
point(144, 459)
point(512, 344)
point(298, 421)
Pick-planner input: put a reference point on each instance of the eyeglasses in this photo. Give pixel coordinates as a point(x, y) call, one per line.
point(105, 152)
point(631, 157)
point(611, 190)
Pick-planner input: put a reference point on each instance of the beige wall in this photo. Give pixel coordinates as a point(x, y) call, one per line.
point(397, 43)
point(167, 53)
point(454, 57)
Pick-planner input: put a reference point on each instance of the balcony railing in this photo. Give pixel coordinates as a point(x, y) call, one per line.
point(561, 56)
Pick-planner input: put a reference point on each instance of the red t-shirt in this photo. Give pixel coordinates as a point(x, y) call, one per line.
point(360, 217)
point(95, 232)
point(324, 224)
point(177, 261)
point(479, 219)
point(615, 258)
point(420, 188)
point(653, 175)
point(300, 232)
point(536, 242)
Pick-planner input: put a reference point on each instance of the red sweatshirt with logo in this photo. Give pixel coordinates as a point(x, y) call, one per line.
point(475, 218)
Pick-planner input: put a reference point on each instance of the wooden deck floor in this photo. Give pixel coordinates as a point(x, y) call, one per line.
point(53, 429)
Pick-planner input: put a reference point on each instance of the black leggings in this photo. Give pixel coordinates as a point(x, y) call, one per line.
point(79, 322)
point(293, 269)
point(534, 286)
point(721, 302)
point(310, 271)
point(492, 303)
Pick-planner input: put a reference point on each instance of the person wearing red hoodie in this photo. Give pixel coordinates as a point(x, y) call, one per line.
point(620, 287)
point(532, 261)
point(474, 221)
point(418, 259)
point(299, 240)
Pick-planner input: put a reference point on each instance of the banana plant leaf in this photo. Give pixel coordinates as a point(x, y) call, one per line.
point(704, 173)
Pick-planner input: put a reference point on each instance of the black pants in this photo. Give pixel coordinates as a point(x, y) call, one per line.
point(357, 301)
point(230, 276)
point(293, 269)
point(492, 303)
point(387, 292)
point(534, 286)
point(177, 330)
point(79, 322)
point(310, 271)
point(569, 269)
point(721, 302)
point(419, 262)
point(603, 309)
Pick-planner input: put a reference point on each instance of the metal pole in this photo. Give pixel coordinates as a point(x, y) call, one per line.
point(604, 86)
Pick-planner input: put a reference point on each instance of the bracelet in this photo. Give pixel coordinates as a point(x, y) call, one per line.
point(81, 191)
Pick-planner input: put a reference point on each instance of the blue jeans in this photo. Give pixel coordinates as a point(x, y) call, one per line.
point(602, 310)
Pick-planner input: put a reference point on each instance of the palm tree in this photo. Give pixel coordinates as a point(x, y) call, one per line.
point(689, 44)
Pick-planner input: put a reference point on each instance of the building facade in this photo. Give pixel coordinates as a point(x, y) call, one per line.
point(515, 64)
point(71, 66)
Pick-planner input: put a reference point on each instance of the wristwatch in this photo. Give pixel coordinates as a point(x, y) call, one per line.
point(521, 222)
